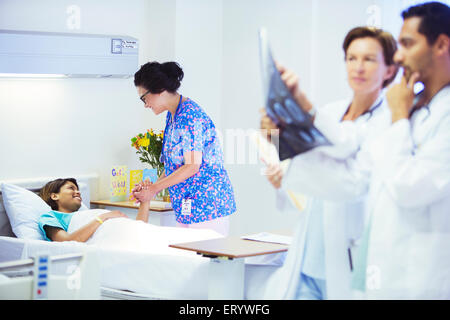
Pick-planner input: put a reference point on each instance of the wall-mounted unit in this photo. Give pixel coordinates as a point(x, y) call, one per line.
point(69, 54)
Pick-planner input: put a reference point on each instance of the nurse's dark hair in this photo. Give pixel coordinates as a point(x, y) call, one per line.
point(54, 187)
point(157, 77)
point(435, 19)
point(385, 39)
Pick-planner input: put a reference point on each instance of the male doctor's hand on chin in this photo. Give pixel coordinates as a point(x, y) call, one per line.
point(400, 97)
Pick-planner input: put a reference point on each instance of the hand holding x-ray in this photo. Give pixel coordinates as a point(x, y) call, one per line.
point(297, 132)
point(292, 82)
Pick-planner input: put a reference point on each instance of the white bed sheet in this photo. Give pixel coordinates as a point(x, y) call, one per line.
point(174, 275)
point(137, 236)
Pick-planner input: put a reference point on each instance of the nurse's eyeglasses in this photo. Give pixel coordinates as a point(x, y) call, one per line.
point(143, 96)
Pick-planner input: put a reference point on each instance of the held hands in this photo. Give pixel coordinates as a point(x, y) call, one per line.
point(400, 97)
point(144, 191)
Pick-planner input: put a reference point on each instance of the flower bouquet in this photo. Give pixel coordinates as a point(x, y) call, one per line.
point(149, 147)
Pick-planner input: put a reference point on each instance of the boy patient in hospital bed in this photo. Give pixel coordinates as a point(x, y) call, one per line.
point(106, 228)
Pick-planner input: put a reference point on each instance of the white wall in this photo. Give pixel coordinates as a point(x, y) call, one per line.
point(65, 127)
point(198, 49)
point(77, 126)
point(242, 93)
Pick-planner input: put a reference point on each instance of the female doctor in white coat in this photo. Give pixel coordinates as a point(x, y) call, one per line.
point(318, 265)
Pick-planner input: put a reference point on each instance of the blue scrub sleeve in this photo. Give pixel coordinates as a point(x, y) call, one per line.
point(193, 133)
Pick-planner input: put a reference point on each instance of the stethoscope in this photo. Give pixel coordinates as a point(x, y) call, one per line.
point(426, 106)
point(370, 111)
point(162, 158)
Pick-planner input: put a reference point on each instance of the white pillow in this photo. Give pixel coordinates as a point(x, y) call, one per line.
point(24, 208)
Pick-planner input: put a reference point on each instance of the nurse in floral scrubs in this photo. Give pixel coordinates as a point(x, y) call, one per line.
point(199, 186)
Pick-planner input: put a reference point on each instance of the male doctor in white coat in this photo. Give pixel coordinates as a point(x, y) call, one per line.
point(407, 238)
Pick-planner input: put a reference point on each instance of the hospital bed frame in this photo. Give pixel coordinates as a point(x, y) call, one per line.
point(35, 279)
point(226, 264)
point(22, 267)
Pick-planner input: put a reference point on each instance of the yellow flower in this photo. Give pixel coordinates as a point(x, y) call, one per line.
point(144, 142)
point(148, 146)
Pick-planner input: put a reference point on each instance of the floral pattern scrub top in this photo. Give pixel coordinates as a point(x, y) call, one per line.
point(209, 190)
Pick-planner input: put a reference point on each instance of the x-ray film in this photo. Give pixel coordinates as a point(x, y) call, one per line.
point(297, 132)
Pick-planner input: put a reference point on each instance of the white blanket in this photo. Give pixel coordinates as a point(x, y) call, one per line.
point(132, 235)
point(135, 256)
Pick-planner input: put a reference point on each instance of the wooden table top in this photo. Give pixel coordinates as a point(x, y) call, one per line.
point(231, 247)
point(128, 204)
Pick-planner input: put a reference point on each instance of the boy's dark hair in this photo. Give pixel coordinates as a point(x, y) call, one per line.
point(157, 77)
point(435, 19)
point(385, 39)
point(54, 187)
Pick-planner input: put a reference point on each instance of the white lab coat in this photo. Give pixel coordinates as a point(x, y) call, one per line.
point(313, 173)
point(409, 202)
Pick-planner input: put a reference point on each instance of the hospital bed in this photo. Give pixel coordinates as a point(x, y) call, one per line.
point(129, 274)
point(41, 277)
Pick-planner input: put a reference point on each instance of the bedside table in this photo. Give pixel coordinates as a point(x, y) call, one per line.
point(157, 214)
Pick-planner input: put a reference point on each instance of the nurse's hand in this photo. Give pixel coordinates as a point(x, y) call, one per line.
point(147, 192)
point(274, 175)
point(139, 187)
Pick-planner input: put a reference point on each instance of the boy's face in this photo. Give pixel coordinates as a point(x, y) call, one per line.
point(68, 198)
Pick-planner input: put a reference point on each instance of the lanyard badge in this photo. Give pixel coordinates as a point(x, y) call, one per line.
point(186, 206)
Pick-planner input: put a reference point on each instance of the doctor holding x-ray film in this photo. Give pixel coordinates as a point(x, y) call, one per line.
point(405, 171)
point(319, 265)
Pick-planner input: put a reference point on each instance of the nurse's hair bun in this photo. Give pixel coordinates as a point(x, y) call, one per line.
point(173, 70)
point(157, 77)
